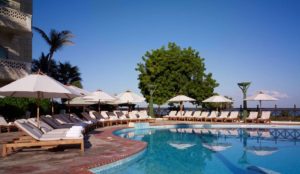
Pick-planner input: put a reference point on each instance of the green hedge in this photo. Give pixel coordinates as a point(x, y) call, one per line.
point(14, 108)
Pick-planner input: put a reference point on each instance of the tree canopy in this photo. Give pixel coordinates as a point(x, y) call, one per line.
point(173, 71)
point(65, 73)
point(56, 41)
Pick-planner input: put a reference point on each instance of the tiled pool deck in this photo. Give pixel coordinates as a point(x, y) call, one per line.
point(101, 147)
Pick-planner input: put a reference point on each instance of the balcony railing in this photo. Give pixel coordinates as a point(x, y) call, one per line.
point(12, 70)
point(14, 19)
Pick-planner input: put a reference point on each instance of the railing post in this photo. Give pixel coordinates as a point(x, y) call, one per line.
point(295, 111)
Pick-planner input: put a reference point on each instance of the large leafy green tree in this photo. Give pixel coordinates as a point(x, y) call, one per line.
point(56, 41)
point(174, 70)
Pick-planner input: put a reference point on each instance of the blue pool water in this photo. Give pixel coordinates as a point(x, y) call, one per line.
point(210, 151)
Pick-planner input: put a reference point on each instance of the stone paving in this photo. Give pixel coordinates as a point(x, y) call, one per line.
point(101, 147)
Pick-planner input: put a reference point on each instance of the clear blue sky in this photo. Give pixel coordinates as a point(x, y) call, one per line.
point(241, 40)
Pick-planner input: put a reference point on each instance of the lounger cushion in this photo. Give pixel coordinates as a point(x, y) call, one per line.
point(24, 126)
point(3, 121)
point(43, 126)
point(119, 114)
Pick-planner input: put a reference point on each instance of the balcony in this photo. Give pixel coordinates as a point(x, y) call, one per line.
point(11, 70)
point(14, 20)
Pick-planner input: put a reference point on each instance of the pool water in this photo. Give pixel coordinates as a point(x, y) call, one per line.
point(210, 151)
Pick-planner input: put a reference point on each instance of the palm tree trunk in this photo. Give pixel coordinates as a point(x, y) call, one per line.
point(49, 63)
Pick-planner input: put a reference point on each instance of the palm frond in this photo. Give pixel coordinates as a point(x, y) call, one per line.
point(43, 34)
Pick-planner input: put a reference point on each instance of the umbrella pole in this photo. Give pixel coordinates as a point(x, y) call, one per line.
point(259, 107)
point(52, 107)
point(38, 112)
point(69, 107)
point(128, 107)
point(181, 108)
point(99, 106)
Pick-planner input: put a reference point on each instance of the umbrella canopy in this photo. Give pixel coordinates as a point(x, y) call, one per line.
point(38, 86)
point(217, 99)
point(79, 91)
point(129, 97)
point(79, 101)
point(181, 99)
point(260, 96)
point(99, 96)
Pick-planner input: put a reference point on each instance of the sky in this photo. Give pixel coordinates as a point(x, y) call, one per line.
point(250, 40)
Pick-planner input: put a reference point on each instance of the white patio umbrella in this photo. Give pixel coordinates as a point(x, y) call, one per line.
point(79, 101)
point(181, 99)
point(78, 91)
point(217, 99)
point(99, 96)
point(37, 86)
point(260, 96)
point(129, 97)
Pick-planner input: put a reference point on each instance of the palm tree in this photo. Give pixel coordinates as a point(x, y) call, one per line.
point(67, 74)
point(56, 40)
point(42, 64)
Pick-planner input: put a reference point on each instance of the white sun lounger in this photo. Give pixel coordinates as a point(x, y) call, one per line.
point(202, 116)
point(234, 116)
point(36, 138)
point(223, 116)
point(252, 117)
point(212, 116)
point(265, 117)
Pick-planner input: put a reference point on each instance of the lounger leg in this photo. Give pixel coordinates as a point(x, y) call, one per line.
point(4, 153)
point(82, 146)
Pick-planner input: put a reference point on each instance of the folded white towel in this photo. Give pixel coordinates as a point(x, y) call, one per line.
point(80, 128)
point(76, 127)
point(88, 122)
point(123, 117)
point(74, 133)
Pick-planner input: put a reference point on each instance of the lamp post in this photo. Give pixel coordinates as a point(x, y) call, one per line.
point(151, 88)
point(244, 87)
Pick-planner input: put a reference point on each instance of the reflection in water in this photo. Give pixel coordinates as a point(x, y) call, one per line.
point(200, 150)
point(181, 146)
point(261, 170)
point(261, 150)
point(216, 147)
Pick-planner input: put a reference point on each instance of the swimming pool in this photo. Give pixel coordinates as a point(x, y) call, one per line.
point(196, 150)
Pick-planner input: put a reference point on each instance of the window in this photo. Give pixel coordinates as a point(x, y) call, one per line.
point(3, 53)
